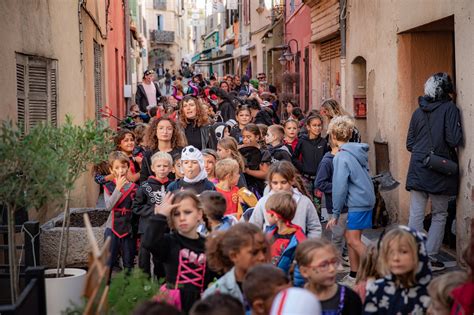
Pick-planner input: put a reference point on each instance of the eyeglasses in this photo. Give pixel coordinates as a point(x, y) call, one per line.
point(324, 266)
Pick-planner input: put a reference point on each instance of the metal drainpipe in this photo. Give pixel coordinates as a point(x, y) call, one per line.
point(342, 25)
point(128, 59)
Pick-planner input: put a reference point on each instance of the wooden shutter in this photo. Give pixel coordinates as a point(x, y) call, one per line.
point(20, 93)
point(37, 98)
point(330, 49)
point(98, 79)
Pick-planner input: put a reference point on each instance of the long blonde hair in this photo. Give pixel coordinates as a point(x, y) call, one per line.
point(383, 265)
point(229, 143)
point(333, 108)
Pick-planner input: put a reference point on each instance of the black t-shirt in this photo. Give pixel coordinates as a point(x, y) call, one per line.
point(193, 134)
point(344, 303)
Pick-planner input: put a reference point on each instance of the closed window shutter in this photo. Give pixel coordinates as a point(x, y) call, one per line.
point(20, 93)
point(37, 98)
point(98, 79)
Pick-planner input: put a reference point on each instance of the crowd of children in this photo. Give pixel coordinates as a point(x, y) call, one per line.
point(233, 222)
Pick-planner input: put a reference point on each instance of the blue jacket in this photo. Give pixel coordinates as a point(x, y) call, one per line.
point(288, 255)
point(351, 183)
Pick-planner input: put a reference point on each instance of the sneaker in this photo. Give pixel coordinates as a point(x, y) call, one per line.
point(323, 220)
point(348, 281)
point(437, 265)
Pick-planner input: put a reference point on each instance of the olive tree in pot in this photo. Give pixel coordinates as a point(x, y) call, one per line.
point(77, 147)
point(30, 176)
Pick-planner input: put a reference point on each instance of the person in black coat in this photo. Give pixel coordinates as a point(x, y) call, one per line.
point(226, 107)
point(141, 98)
point(437, 109)
point(195, 123)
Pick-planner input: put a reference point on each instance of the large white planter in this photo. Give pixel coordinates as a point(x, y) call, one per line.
point(63, 292)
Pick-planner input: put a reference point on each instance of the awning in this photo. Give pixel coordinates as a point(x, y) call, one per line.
point(251, 47)
point(218, 59)
point(228, 41)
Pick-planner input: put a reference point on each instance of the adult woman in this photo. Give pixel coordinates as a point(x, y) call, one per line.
point(162, 135)
point(195, 123)
point(288, 110)
point(329, 109)
point(225, 86)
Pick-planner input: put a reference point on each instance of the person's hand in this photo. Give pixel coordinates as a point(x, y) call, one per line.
point(167, 205)
point(121, 181)
point(139, 159)
point(130, 175)
point(331, 223)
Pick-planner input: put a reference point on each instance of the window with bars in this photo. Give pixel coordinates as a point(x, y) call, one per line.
point(98, 79)
point(37, 91)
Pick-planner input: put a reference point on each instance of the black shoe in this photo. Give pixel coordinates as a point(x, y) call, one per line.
point(437, 265)
point(323, 220)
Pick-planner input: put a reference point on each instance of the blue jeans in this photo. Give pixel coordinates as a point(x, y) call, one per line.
point(439, 214)
point(124, 245)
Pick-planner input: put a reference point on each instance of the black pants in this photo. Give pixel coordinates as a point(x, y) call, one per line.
point(144, 264)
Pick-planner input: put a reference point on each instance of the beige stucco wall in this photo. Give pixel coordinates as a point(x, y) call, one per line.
point(50, 29)
point(391, 101)
point(257, 25)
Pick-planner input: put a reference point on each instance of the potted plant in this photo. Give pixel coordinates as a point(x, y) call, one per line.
point(78, 147)
point(30, 175)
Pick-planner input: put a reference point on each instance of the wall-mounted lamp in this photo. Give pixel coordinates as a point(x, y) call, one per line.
point(287, 55)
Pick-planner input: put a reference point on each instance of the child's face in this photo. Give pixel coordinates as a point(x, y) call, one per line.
point(161, 168)
point(233, 178)
point(249, 138)
point(119, 169)
point(186, 217)
point(177, 169)
point(244, 117)
point(210, 164)
point(314, 127)
point(190, 168)
point(271, 218)
point(323, 267)
point(279, 183)
point(223, 153)
point(164, 130)
point(250, 255)
point(269, 137)
point(291, 130)
point(127, 144)
point(437, 308)
point(134, 110)
point(400, 257)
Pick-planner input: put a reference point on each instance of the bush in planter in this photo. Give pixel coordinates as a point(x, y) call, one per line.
point(30, 176)
point(128, 290)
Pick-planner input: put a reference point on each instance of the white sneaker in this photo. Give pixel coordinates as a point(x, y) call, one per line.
point(348, 281)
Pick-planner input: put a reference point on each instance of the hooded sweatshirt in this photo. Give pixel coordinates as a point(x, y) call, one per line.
point(306, 216)
point(309, 153)
point(384, 296)
point(351, 183)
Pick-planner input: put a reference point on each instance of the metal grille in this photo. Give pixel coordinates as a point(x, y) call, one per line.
point(53, 98)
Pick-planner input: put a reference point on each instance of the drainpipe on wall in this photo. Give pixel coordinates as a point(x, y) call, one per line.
point(342, 26)
point(128, 68)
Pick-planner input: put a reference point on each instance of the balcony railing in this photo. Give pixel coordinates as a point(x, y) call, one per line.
point(162, 37)
point(159, 5)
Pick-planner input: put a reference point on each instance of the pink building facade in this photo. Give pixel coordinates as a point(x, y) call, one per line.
point(298, 36)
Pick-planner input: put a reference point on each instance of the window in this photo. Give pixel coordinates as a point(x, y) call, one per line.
point(36, 85)
point(292, 6)
point(246, 9)
point(160, 23)
point(98, 52)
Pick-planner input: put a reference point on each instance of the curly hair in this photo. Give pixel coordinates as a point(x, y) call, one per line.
point(341, 127)
point(201, 116)
point(178, 140)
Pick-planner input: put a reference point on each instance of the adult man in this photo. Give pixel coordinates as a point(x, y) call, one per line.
point(237, 83)
point(262, 77)
point(148, 91)
point(434, 126)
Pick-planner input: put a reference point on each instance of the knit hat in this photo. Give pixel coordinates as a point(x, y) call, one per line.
point(295, 301)
point(190, 153)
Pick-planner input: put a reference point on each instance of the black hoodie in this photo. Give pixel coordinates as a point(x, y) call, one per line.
point(308, 154)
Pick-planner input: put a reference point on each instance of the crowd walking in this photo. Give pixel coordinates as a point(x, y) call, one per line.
point(244, 204)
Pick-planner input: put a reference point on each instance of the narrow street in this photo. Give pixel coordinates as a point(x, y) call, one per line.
point(236, 157)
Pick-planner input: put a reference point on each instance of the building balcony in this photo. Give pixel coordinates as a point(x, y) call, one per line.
point(161, 37)
point(159, 5)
